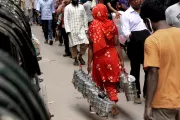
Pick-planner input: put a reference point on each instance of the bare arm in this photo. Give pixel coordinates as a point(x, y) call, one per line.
point(90, 54)
point(111, 8)
point(152, 81)
point(119, 50)
point(90, 57)
point(59, 10)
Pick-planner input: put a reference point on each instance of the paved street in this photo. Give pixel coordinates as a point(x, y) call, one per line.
point(66, 102)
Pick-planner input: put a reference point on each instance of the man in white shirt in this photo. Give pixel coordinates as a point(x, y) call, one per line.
point(87, 7)
point(173, 15)
point(135, 31)
point(76, 25)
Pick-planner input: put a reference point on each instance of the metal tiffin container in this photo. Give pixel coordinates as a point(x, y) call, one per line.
point(123, 79)
point(75, 79)
point(87, 86)
point(90, 94)
point(130, 88)
point(94, 98)
point(97, 105)
point(108, 105)
point(81, 81)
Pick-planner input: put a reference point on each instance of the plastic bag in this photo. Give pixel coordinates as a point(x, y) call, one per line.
point(36, 44)
point(118, 23)
point(93, 4)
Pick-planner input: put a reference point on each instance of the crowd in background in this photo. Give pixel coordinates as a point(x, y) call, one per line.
point(72, 19)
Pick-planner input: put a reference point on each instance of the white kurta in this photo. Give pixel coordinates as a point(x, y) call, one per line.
point(75, 21)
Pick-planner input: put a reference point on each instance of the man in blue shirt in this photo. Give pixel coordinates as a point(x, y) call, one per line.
point(46, 8)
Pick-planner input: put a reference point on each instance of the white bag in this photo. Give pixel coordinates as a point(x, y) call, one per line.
point(93, 4)
point(118, 23)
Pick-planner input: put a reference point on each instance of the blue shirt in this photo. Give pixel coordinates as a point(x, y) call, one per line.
point(46, 8)
point(125, 2)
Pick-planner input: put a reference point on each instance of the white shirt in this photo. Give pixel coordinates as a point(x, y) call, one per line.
point(87, 7)
point(35, 3)
point(75, 22)
point(173, 15)
point(131, 21)
point(28, 4)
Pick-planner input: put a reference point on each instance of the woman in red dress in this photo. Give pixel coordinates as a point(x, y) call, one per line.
point(105, 54)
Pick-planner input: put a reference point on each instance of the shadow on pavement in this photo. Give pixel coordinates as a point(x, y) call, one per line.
point(84, 111)
point(124, 115)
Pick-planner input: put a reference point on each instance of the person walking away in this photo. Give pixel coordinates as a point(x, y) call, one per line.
point(59, 25)
point(135, 31)
point(122, 5)
point(55, 17)
point(105, 54)
point(87, 7)
point(112, 8)
point(60, 10)
point(162, 53)
point(28, 11)
point(35, 15)
point(173, 15)
point(46, 8)
point(76, 25)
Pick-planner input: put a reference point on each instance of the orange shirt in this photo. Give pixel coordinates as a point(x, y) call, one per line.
point(162, 50)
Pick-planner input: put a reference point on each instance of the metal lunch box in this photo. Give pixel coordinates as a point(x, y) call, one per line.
point(130, 88)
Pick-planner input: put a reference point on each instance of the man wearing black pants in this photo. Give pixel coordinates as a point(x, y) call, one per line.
point(135, 32)
point(66, 42)
point(64, 35)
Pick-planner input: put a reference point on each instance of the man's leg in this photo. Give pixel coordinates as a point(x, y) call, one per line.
point(165, 114)
point(34, 16)
point(83, 48)
point(50, 32)
point(66, 42)
point(60, 36)
point(45, 30)
point(178, 115)
point(74, 53)
point(54, 25)
point(135, 71)
point(135, 67)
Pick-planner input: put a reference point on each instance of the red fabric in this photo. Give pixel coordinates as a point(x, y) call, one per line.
point(106, 64)
point(101, 29)
point(111, 91)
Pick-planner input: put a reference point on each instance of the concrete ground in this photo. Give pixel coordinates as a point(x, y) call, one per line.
point(64, 101)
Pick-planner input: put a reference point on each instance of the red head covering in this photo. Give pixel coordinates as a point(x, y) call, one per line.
point(101, 29)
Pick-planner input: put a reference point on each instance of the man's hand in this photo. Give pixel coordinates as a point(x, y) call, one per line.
point(148, 113)
point(118, 15)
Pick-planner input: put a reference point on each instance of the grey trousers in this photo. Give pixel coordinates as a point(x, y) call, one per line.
point(166, 114)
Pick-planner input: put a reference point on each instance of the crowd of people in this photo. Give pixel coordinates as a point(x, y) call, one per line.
point(151, 31)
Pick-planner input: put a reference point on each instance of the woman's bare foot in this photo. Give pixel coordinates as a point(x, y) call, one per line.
point(115, 111)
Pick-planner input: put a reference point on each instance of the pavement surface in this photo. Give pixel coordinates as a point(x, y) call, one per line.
point(65, 102)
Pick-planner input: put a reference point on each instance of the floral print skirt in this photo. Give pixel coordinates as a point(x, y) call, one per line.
point(106, 70)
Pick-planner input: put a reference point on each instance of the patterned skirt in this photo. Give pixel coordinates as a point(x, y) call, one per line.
point(106, 66)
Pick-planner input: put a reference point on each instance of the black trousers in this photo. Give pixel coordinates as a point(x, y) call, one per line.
point(66, 40)
point(60, 34)
point(135, 52)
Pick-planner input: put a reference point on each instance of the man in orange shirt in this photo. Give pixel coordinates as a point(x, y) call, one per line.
point(162, 61)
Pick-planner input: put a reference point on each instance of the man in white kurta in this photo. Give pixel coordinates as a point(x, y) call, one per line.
point(76, 25)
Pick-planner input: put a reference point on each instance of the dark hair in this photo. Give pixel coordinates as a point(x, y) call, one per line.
point(154, 10)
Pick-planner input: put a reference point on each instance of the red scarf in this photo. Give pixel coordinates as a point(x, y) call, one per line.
point(101, 29)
